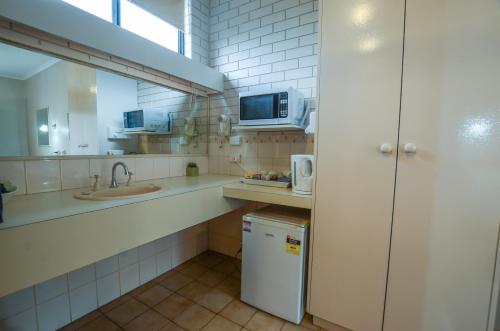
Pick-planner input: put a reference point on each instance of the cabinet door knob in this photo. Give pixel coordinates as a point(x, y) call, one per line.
point(410, 148)
point(385, 148)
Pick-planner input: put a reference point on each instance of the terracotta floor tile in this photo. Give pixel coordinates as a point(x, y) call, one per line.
point(183, 266)
point(294, 327)
point(194, 270)
point(126, 312)
point(115, 303)
point(264, 322)
point(215, 300)
point(175, 282)
point(209, 259)
point(221, 324)
point(139, 290)
point(164, 276)
point(149, 321)
point(212, 278)
point(238, 312)
point(100, 324)
point(170, 326)
point(231, 286)
point(173, 306)
point(154, 295)
point(194, 318)
point(193, 290)
point(227, 266)
point(82, 321)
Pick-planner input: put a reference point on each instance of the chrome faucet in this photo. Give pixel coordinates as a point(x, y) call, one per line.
point(114, 184)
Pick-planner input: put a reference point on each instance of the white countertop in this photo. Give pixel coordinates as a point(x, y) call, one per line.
point(32, 208)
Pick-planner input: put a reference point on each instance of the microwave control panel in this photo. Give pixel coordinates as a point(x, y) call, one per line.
point(283, 108)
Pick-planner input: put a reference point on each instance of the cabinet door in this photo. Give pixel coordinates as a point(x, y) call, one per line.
point(447, 201)
point(359, 87)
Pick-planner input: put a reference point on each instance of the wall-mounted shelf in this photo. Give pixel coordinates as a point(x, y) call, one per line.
point(145, 133)
point(268, 128)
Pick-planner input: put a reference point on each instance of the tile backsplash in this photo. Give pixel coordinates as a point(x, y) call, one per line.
point(261, 151)
point(36, 176)
point(65, 298)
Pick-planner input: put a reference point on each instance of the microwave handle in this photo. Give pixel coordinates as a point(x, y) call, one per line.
point(294, 164)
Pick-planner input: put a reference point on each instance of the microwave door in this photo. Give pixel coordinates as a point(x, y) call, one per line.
point(259, 109)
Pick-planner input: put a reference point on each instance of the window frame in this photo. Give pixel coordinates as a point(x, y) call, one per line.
point(116, 20)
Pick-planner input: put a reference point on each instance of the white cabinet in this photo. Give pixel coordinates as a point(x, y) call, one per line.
point(447, 198)
point(407, 240)
point(359, 87)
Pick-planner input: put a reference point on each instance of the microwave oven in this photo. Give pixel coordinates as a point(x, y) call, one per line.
point(272, 107)
point(147, 119)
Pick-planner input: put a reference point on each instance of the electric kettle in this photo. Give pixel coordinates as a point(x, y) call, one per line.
point(302, 173)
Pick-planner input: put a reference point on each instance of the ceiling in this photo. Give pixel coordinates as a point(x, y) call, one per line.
point(18, 63)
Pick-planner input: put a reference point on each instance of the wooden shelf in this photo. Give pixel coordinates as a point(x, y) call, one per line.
point(266, 194)
point(268, 128)
point(145, 133)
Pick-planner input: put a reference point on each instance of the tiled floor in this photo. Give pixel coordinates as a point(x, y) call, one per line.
point(201, 294)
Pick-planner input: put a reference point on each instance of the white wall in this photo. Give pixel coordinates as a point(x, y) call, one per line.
point(115, 94)
point(13, 128)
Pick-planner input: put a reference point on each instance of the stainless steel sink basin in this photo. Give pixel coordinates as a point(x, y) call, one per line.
point(122, 192)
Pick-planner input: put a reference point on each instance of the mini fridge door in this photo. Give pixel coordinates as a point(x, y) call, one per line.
point(273, 267)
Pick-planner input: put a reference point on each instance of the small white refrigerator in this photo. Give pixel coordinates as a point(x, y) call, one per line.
point(273, 275)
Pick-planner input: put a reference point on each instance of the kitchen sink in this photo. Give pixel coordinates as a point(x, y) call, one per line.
point(122, 192)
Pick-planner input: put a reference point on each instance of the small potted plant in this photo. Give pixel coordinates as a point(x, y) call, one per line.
point(192, 169)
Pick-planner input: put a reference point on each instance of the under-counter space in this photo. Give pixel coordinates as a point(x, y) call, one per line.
point(33, 208)
point(49, 234)
point(273, 195)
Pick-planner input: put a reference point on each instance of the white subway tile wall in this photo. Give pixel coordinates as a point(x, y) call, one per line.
point(58, 301)
point(261, 44)
point(35, 176)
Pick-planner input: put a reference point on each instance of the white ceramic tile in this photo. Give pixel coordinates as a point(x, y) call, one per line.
point(129, 257)
point(13, 171)
point(164, 261)
point(161, 167)
point(144, 168)
point(183, 252)
point(202, 162)
point(75, 173)
point(106, 266)
point(83, 300)
point(25, 321)
point(43, 176)
point(265, 149)
point(53, 314)
point(281, 149)
point(147, 269)
point(177, 166)
point(249, 149)
point(163, 243)
point(265, 164)
point(81, 276)
point(146, 250)
point(103, 168)
point(108, 288)
point(51, 288)
point(129, 278)
point(16, 302)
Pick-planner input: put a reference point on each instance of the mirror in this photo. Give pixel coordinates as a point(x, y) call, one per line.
point(52, 107)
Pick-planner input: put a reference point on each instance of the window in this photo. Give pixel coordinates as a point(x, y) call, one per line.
point(99, 8)
point(145, 24)
point(134, 19)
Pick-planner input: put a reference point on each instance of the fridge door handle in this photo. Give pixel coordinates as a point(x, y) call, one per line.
point(270, 235)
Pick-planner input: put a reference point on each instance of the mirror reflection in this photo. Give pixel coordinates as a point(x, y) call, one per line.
point(52, 107)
